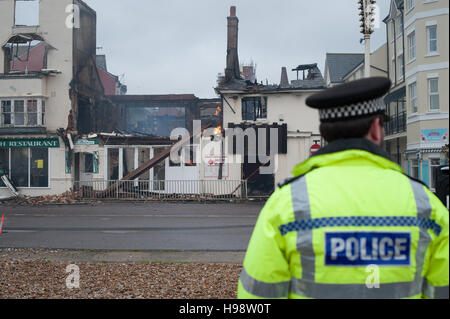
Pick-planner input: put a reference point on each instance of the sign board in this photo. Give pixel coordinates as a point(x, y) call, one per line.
point(87, 142)
point(434, 135)
point(212, 165)
point(30, 143)
point(314, 149)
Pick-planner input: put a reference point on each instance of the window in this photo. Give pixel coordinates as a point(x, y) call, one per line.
point(254, 108)
point(4, 164)
point(393, 30)
point(401, 65)
point(113, 164)
point(413, 97)
point(32, 112)
point(432, 39)
point(25, 57)
point(409, 4)
point(88, 163)
point(412, 46)
point(400, 25)
point(26, 12)
point(28, 167)
point(433, 85)
point(434, 165)
point(6, 113)
point(415, 169)
point(19, 166)
point(38, 167)
point(22, 112)
point(19, 113)
point(42, 112)
point(401, 106)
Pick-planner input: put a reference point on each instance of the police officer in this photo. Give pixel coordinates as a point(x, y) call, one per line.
point(350, 224)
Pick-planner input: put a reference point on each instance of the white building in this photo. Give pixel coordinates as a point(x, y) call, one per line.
point(418, 55)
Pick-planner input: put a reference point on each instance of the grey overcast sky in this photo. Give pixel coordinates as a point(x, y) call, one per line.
point(179, 46)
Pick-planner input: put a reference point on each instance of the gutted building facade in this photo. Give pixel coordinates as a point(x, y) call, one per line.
point(50, 92)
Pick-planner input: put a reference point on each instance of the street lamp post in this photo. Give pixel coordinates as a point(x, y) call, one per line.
point(367, 19)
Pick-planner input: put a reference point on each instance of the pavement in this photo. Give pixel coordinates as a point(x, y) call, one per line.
point(105, 256)
point(152, 231)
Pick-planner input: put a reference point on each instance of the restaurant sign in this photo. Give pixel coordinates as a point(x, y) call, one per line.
point(30, 143)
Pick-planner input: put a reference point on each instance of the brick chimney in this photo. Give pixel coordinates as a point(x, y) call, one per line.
point(232, 69)
point(284, 83)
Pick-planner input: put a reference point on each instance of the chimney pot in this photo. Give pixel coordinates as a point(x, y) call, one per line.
point(233, 11)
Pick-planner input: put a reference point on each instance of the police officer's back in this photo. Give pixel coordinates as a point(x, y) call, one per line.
point(350, 224)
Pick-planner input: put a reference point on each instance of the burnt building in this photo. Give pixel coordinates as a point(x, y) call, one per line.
point(50, 91)
point(157, 115)
point(261, 112)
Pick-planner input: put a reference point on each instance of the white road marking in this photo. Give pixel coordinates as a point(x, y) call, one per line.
point(158, 216)
point(20, 231)
point(119, 232)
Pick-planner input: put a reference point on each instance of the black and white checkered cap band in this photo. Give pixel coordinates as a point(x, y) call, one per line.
point(359, 109)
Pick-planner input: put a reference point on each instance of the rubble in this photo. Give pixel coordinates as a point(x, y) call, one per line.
point(68, 197)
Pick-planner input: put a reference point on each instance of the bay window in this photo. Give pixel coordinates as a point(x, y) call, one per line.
point(412, 46)
point(400, 25)
point(22, 113)
point(19, 113)
point(409, 4)
point(32, 112)
point(6, 113)
point(433, 85)
point(401, 66)
point(432, 39)
point(413, 97)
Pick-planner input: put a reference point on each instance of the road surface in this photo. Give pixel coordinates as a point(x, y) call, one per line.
point(134, 226)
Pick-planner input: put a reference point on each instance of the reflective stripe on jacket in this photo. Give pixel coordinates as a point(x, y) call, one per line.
point(352, 225)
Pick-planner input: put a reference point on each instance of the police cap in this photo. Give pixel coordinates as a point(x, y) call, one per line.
point(352, 100)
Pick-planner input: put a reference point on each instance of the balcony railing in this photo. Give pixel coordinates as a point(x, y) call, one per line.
point(396, 125)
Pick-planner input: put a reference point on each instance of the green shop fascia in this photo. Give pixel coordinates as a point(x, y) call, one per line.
point(26, 160)
point(30, 143)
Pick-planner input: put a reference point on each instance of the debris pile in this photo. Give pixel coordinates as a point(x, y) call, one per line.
point(66, 198)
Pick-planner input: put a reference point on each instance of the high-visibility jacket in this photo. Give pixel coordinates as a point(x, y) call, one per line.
point(349, 225)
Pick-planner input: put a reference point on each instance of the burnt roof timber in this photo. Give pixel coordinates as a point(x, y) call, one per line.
point(148, 98)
